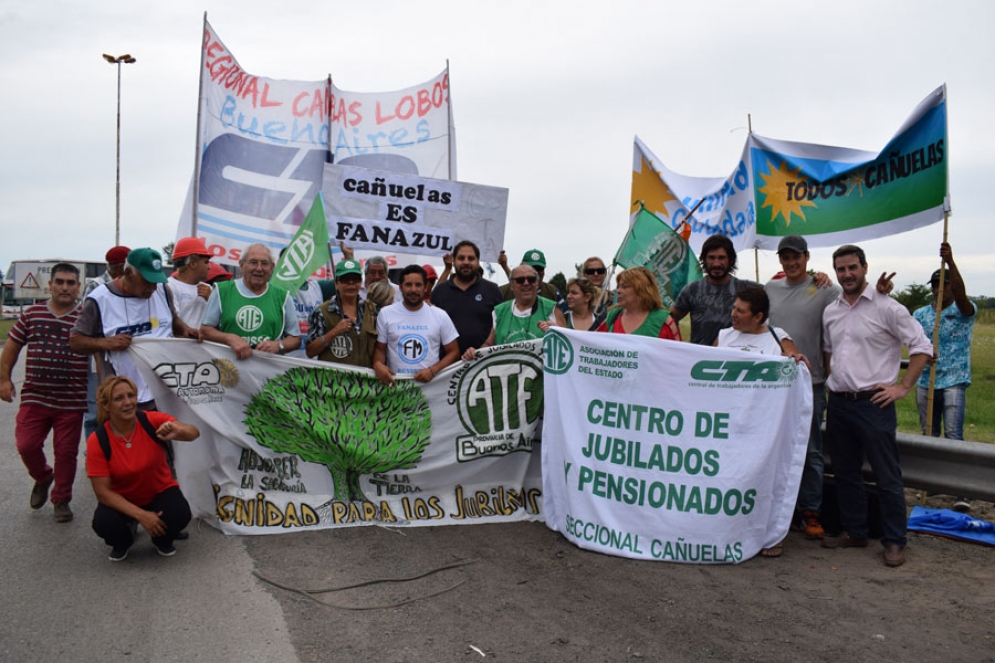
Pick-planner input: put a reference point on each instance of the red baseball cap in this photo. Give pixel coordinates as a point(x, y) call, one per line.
point(117, 256)
point(190, 246)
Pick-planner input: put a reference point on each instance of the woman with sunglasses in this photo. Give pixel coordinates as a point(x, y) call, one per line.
point(640, 310)
point(582, 297)
point(594, 270)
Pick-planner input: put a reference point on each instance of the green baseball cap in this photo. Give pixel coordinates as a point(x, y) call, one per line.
point(534, 258)
point(346, 267)
point(148, 262)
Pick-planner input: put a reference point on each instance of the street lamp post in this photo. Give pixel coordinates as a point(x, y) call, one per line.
point(119, 60)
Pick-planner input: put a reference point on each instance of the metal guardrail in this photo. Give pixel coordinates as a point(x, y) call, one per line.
point(947, 467)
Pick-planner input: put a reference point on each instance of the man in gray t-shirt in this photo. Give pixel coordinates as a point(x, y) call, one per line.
point(796, 305)
point(709, 300)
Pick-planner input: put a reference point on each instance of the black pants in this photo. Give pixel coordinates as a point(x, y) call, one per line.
point(115, 528)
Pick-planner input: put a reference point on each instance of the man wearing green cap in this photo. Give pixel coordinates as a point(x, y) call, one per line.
point(344, 328)
point(137, 303)
point(536, 259)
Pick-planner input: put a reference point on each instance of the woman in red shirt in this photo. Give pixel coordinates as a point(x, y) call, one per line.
point(131, 476)
point(640, 310)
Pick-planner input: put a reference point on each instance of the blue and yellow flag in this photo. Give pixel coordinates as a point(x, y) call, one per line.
point(837, 195)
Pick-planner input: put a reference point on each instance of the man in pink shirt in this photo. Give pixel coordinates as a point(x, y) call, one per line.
point(864, 332)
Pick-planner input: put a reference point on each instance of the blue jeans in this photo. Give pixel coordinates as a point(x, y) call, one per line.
point(810, 490)
point(853, 429)
point(948, 404)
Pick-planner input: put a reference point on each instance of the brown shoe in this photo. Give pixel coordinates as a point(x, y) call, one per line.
point(843, 541)
point(812, 528)
point(39, 494)
point(893, 555)
point(63, 514)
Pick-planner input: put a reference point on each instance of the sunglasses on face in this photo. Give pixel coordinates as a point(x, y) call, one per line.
point(590, 271)
point(522, 280)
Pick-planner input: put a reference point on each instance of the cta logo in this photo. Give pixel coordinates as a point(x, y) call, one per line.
point(249, 318)
point(202, 382)
point(499, 403)
point(557, 352)
point(745, 371)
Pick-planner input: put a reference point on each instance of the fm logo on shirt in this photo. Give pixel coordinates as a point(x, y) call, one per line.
point(249, 318)
point(412, 348)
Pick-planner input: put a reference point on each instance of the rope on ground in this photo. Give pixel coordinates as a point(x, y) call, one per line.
point(310, 593)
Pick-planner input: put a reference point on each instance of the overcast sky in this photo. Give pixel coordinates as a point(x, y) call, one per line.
point(547, 98)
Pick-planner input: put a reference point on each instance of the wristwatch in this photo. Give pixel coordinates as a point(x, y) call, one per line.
point(281, 346)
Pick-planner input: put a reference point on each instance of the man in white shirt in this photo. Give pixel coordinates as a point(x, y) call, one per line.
point(864, 332)
point(412, 337)
point(187, 284)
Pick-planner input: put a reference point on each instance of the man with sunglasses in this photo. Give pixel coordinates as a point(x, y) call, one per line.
point(468, 297)
point(536, 259)
point(526, 316)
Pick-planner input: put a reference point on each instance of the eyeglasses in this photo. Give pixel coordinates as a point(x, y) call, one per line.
point(522, 280)
point(595, 270)
point(258, 263)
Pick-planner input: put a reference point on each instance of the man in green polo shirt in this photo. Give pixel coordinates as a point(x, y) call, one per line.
point(250, 314)
point(525, 317)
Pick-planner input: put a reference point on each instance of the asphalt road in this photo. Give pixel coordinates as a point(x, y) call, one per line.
point(63, 600)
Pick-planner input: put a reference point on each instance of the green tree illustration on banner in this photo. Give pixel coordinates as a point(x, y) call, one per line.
point(348, 422)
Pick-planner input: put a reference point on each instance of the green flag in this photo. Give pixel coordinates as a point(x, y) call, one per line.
point(307, 251)
point(651, 243)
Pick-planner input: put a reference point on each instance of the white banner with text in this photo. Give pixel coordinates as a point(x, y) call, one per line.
point(671, 451)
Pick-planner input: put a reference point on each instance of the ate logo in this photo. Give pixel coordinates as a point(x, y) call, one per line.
point(297, 257)
point(249, 318)
point(500, 393)
point(412, 348)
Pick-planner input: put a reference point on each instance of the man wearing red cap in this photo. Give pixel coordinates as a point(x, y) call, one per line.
point(187, 284)
point(115, 258)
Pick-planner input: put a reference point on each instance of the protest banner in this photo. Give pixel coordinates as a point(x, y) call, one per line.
point(726, 208)
point(385, 211)
point(836, 195)
point(651, 243)
point(262, 144)
point(290, 444)
point(671, 451)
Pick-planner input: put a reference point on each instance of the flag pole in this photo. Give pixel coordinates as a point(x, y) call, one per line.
point(196, 154)
point(938, 307)
point(756, 250)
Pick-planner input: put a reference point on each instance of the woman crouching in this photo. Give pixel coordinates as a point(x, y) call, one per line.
point(128, 465)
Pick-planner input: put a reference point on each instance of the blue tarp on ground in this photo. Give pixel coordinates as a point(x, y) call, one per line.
point(953, 524)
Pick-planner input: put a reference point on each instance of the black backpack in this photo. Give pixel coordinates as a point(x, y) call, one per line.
point(105, 440)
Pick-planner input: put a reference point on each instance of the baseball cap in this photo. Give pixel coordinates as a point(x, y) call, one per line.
point(430, 272)
point(148, 262)
point(534, 258)
point(190, 246)
point(217, 272)
point(117, 255)
point(347, 267)
point(794, 243)
point(934, 280)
